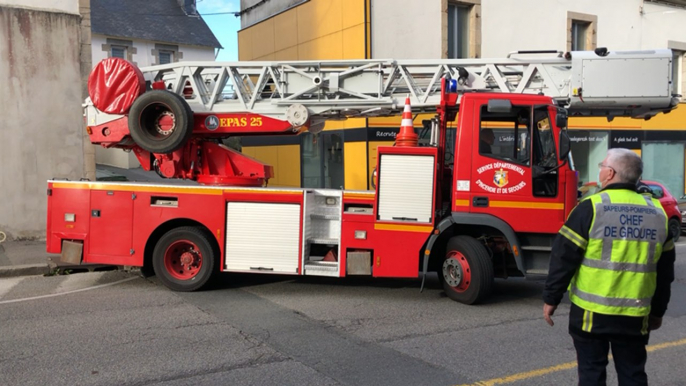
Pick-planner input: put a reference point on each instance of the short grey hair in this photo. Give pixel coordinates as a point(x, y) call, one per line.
point(627, 164)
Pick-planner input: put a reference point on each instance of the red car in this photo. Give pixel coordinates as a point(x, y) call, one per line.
point(669, 203)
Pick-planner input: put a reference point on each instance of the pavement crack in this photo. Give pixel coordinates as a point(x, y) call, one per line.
point(451, 330)
point(260, 361)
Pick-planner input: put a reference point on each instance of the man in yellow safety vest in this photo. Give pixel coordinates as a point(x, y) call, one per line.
point(616, 257)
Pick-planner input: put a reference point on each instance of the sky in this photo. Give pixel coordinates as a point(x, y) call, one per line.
point(225, 27)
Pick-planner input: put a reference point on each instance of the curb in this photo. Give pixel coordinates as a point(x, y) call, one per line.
point(24, 270)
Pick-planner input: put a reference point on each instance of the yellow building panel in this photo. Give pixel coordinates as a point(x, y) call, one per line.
point(352, 49)
point(352, 123)
point(266, 58)
point(285, 159)
point(285, 30)
point(245, 44)
point(395, 120)
point(319, 18)
point(328, 47)
point(674, 120)
point(288, 165)
point(353, 13)
point(354, 165)
point(373, 145)
point(287, 54)
point(263, 39)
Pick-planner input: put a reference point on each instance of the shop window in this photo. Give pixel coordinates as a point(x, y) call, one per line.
point(581, 31)
point(322, 160)
point(506, 136)
point(654, 169)
point(589, 148)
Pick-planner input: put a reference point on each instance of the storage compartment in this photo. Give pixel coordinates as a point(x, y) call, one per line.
point(262, 237)
point(406, 187)
point(359, 263)
point(322, 232)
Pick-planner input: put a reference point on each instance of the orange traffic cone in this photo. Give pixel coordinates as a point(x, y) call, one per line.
point(406, 136)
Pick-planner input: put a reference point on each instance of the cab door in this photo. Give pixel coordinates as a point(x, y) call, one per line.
point(513, 177)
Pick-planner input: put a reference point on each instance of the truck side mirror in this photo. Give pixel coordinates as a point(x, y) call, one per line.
point(499, 106)
point(565, 145)
point(561, 118)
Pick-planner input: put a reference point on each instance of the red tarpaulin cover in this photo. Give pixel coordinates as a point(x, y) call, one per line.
point(114, 84)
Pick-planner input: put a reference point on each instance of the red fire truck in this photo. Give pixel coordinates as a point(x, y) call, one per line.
point(480, 196)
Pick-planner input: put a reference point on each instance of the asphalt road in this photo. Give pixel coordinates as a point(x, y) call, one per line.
point(116, 328)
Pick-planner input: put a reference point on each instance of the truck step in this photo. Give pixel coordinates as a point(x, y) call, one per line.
point(321, 240)
point(320, 216)
point(537, 248)
point(321, 268)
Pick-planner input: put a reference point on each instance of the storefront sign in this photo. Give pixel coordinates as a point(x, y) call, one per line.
point(383, 134)
point(626, 138)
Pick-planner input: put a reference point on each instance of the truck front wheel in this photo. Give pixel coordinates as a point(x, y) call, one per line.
point(184, 259)
point(467, 271)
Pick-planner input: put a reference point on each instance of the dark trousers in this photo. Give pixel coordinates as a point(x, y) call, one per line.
point(628, 352)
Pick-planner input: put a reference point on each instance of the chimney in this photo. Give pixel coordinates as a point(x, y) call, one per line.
point(188, 7)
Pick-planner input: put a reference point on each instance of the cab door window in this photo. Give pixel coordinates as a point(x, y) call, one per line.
point(545, 181)
point(506, 136)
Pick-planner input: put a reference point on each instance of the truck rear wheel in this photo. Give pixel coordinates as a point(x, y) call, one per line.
point(184, 259)
point(467, 271)
point(160, 121)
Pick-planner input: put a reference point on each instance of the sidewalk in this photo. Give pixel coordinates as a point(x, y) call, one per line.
point(23, 258)
point(29, 257)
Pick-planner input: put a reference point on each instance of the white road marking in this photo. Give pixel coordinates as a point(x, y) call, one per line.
point(67, 293)
point(75, 282)
point(6, 285)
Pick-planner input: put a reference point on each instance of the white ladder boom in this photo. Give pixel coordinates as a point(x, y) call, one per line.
point(631, 83)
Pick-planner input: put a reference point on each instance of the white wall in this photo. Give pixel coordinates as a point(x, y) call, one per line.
point(40, 105)
point(406, 29)
point(67, 6)
point(538, 24)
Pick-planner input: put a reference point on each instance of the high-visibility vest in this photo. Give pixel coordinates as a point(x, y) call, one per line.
point(618, 273)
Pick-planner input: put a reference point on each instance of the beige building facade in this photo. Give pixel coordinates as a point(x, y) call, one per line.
point(42, 45)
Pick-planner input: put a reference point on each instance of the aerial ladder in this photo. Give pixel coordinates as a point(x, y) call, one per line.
point(174, 127)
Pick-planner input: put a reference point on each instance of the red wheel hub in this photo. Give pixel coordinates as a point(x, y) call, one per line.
point(166, 123)
point(456, 271)
point(183, 260)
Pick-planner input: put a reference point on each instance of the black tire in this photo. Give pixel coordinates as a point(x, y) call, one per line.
point(145, 114)
point(675, 229)
point(467, 271)
point(184, 259)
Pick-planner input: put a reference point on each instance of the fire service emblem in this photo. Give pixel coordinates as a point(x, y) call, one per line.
point(500, 178)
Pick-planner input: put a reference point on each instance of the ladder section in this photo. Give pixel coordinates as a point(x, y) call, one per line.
point(584, 81)
point(322, 232)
